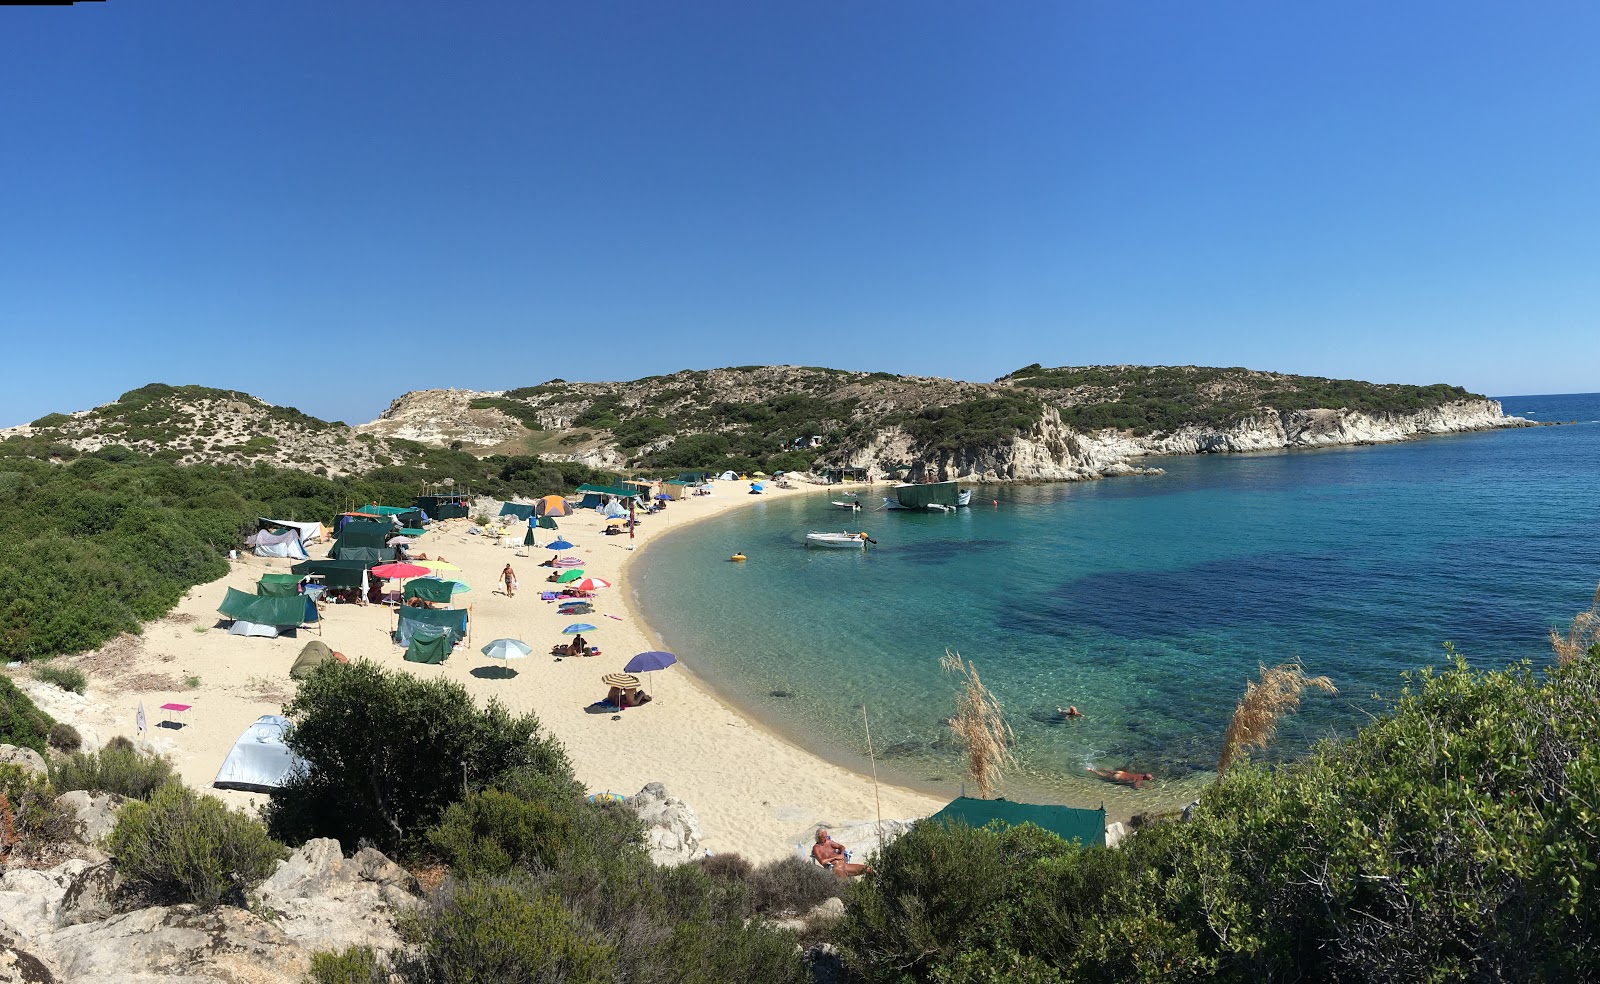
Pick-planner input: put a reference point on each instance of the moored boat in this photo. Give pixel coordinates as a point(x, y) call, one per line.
point(847, 541)
point(941, 496)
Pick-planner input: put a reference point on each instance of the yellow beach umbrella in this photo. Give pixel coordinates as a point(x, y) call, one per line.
point(436, 565)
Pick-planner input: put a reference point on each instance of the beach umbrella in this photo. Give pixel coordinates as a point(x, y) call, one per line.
point(458, 587)
point(394, 540)
point(399, 570)
point(436, 565)
point(561, 544)
point(566, 576)
point(758, 474)
point(616, 522)
point(662, 495)
point(653, 660)
point(546, 523)
point(570, 562)
point(507, 649)
point(591, 584)
point(577, 627)
point(627, 681)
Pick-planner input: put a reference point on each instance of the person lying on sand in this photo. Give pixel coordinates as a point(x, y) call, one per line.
point(1117, 775)
point(831, 855)
point(631, 697)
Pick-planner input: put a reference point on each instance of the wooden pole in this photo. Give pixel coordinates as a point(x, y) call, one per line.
point(874, 760)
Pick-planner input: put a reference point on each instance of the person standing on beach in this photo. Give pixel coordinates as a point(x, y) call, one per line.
point(509, 578)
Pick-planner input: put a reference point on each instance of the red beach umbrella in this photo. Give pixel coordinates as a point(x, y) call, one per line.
point(398, 570)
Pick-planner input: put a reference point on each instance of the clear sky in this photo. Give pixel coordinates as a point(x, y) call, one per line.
point(328, 204)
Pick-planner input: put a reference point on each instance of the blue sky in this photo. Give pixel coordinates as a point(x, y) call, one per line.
point(328, 204)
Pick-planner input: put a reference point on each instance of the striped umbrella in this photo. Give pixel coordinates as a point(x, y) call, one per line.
point(627, 681)
point(590, 584)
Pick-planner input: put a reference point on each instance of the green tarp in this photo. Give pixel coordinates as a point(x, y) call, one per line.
point(521, 510)
point(335, 573)
point(429, 589)
point(1085, 826)
point(443, 506)
point(410, 531)
point(281, 578)
point(384, 510)
point(365, 533)
point(268, 610)
point(277, 589)
point(425, 648)
point(621, 490)
point(412, 620)
point(362, 555)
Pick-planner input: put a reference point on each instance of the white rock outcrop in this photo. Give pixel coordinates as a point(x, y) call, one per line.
point(672, 829)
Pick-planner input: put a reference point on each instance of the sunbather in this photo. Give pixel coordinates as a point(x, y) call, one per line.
point(1118, 775)
point(831, 855)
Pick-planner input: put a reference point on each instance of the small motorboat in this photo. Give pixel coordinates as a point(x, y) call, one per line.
point(847, 541)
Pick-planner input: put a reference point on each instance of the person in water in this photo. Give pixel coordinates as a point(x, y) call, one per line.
point(831, 855)
point(1118, 775)
point(1069, 712)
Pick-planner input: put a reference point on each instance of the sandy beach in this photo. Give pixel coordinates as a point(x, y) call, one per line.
point(755, 793)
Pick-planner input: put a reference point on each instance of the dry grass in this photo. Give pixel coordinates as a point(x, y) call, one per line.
point(1256, 718)
point(1581, 637)
point(980, 726)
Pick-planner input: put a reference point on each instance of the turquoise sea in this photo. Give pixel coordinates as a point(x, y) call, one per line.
point(1147, 602)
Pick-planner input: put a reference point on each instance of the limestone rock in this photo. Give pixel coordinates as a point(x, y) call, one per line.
point(97, 813)
point(91, 896)
point(1115, 834)
point(329, 902)
point(672, 829)
point(29, 900)
point(25, 757)
point(19, 966)
point(182, 943)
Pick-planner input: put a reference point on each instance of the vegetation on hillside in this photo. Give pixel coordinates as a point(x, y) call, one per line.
point(1151, 399)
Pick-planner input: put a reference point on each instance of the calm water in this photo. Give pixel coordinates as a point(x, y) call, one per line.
point(1147, 602)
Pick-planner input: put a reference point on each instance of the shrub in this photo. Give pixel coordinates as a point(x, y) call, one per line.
point(355, 965)
point(491, 831)
point(30, 819)
point(21, 722)
point(192, 847)
point(117, 768)
point(500, 930)
point(66, 677)
point(388, 753)
point(65, 738)
point(791, 885)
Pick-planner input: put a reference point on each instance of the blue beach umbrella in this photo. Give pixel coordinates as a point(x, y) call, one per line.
point(561, 544)
point(459, 587)
point(653, 660)
point(577, 627)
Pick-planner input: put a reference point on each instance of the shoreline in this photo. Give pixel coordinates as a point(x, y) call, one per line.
point(755, 791)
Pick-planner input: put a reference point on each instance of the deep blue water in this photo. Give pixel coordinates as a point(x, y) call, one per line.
point(1147, 602)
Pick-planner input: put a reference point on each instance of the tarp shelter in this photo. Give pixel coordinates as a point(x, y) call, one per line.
point(278, 589)
point(429, 589)
point(521, 510)
point(365, 556)
point(335, 573)
point(264, 543)
point(1088, 827)
point(444, 506)
point(362, 533)
point(551, 505)
point(452, 620)
point(594, 495)
point(314, 655)
point(266, 615)
point(428, 645)
point(260, 761)
point(309, 532)
point(404, 515)
point(678, 490)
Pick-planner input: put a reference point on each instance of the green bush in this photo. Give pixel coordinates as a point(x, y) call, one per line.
point(354, 965)
point(117, 768)
point(36, 820)
point(495, 931)
point(491, 831)
point(66, 677)
point(791, 885)
point(21, 722)
point(388, 753)
point(192, 847)
point(64, 737)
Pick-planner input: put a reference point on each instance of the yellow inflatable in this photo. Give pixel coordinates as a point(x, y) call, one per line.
point(737, 558)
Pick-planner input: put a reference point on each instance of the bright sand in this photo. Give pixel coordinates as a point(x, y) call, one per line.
point(755, 793)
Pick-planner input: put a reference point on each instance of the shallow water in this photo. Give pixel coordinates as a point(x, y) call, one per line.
point(1147, 602)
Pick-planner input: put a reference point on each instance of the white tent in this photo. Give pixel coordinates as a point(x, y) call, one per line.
point(285, 544)
point(309, 532)
point(242, 628)
point(259, 761)
point(727, 476)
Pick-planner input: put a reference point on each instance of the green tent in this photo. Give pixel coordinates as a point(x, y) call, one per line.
point(429, 589)
point(367, 556)
point(335, 573)
point(267, 609)
point(1088, 827)
point(429, 648)
point(314, 655)
point(365, 533)
point(277, 589)
point(414, 620)
point(281, 578)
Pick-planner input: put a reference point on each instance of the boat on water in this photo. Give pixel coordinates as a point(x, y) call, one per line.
point(940, 496)
point(847, 541)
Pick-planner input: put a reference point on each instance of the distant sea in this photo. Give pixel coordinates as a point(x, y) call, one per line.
point(1146, 601)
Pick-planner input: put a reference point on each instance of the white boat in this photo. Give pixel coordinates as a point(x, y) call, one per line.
point(847, 503)
point(965, 498)
point(847, 541)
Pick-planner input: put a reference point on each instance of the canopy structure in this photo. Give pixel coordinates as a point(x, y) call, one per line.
point(261, 613)
point(429, 589)
point(453, 506)
point(1088, 827)
point(277, 588)
point(260, 761)
point(365, 556)
point(521, 510)
point(452, 620)
point(334, 573)
point(594, 495)
point(363, 533)
point(429, 645)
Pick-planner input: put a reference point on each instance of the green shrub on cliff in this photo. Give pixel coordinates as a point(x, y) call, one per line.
point(191, 847)
point(21, 722)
